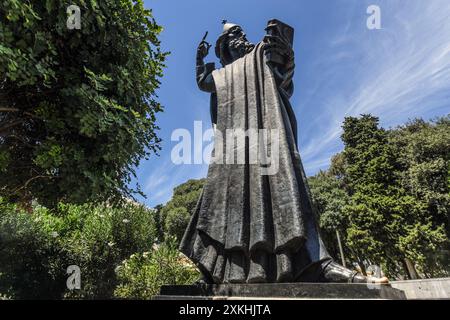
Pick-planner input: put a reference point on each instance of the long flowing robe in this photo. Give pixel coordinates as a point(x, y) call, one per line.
point(250, 226)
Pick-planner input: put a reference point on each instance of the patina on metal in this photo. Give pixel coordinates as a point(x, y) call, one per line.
point(249, 227)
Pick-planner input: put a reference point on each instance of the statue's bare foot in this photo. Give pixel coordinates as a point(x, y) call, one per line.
point(382, 280)
point(334, 272)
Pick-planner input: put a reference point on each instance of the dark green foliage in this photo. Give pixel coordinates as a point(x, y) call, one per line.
point(372, 184)
point(77, 107)
point(329, 198)
point(29, 256)
point(388, 192)
point(425, 164)
point(159, 222)
point(35, 250)
point(142, 275)
point(176, 213)
point(424, 158)
point(108, 236)
point(176, 222)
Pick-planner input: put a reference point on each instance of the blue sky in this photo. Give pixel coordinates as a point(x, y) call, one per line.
point(399, 72)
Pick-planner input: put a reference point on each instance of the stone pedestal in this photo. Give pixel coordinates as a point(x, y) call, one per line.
point(438, 288)
point(280, 291)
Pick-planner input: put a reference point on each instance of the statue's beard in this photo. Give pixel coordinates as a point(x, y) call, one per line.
point(241, 46)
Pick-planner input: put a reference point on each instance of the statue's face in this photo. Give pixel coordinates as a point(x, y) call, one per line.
point(238, 44)
point(236, 32)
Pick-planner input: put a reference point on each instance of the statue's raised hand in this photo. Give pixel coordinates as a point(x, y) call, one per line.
point(203, 47)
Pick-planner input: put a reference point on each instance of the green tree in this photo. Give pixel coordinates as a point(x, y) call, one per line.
point(77, 107)
point(330, 199)
point(424, 156)
point(385, 225)
point(175, 215)
point(176, 222)
point(159, 222)
point(368, 176)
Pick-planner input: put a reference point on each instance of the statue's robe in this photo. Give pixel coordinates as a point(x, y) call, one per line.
point(248, 226)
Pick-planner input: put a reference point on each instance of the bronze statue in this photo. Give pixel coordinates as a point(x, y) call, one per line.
point(251, 227)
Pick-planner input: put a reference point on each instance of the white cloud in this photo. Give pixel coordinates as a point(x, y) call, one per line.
point(399, 72)
point(165, 176)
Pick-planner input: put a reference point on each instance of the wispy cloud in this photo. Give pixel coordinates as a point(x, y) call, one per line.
point(160, 174)
point(165, 176)
point(401, 71)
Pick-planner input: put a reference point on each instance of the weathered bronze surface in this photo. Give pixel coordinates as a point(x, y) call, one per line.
point(251, 227)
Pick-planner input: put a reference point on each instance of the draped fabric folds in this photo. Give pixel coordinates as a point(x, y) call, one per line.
point(254, 222)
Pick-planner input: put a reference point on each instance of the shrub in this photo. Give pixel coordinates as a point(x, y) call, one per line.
point(142, 275)
point(107, 237)
point(28, 255)
point(174, 216)
point(36, 249)
point(176, 222)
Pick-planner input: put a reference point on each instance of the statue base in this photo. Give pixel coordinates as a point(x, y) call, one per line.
point(267, 291)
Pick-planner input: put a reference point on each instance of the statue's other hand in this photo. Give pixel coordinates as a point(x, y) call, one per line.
point(203, 49)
